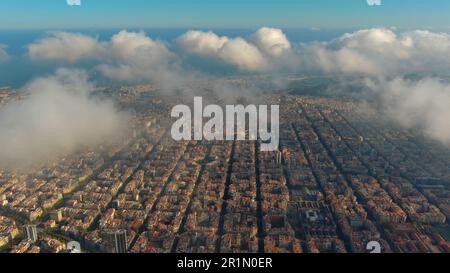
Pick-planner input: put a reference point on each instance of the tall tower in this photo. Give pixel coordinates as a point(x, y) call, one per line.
point(31, 232)
point(278, 157)
point(120, 241)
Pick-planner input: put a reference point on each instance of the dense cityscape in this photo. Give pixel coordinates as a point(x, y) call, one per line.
point(341, 178)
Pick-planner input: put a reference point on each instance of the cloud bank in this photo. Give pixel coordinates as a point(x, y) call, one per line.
point(253, 54)
point(379, 54)
point(232, 51)
point(128, 56)
point(58, 116)
point(422, 104)
point(271, 41)
point(65, 46)
point(135, 56)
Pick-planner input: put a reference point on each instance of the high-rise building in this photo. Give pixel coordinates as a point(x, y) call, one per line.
point(120, 241)
point(31, 232)
point(116, 241)
point(278, 157)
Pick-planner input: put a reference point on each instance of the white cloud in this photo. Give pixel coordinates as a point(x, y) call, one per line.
point(65, 46)
point(233, 51)
point(255, 54)
point(422, 104)
point(58, 117)
point(271, 41)
point(202, 43)
point(137, 46)
point(377, 52)
point(243, 54)
point(127, 56)
point(374, 53)
point(380, 52)
point(134, 56)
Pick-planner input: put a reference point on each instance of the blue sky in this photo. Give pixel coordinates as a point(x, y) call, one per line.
point(51, 14)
